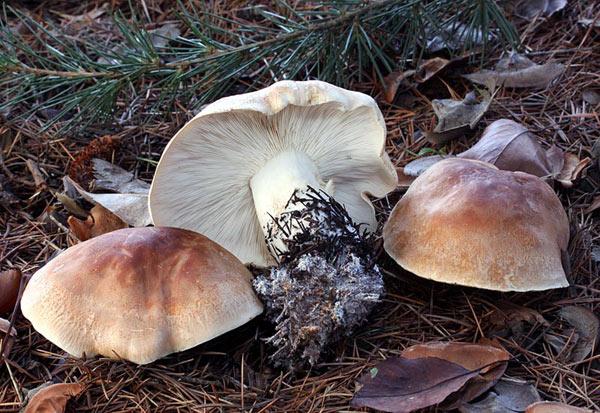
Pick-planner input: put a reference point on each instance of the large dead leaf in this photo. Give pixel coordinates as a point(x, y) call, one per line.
point(100, 221)
point(403, 385)
point(511, 147)
point(554, 407)
point(573, 169)
point(506, 396)
point(519, 71)
point(586, 325)
point(457, 117)
point(486, 359)
point(429, 68)
point(10, 281)
point(51, 398)
point(508, 315)
point(8, 334)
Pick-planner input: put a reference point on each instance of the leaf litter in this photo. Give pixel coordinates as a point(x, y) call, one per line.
point(430, 374)
point(506, 396)
point(519, 72)
point(51, 397)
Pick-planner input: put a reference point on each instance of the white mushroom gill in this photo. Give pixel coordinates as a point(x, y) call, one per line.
point(273, 186)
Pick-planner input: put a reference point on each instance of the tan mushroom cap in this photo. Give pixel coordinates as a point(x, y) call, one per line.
point(202, 181)
point(466, 222)
point(139, 293)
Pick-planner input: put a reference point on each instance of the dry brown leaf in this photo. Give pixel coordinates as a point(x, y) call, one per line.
point(591, 96)
point(519, 71)
point(430, 68)
point(573, 169)
point(10, 281)
point(5, 335)
point(554, 407)
point(419, 165)
point(392, 82)
point(507, 315)
point(52, 398)
point(586, 325)
point(470, 356)
point(506, 396)
point(509, 146)
point(404, 180)
point(404, 385)
point(457, 117)
point(100, 221)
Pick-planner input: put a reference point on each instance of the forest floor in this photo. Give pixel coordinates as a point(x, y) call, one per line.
point(232, 372)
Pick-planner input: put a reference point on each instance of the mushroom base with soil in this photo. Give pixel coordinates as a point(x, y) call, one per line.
point(326, 283)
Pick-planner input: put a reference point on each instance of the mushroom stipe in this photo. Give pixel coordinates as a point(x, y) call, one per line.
point(326, 283)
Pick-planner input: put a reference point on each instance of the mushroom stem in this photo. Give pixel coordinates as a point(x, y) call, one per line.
point(273, 186)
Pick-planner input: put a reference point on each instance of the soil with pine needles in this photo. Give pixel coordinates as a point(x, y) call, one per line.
point(232, 372)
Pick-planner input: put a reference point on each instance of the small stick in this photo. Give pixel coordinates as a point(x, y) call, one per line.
point(38, 178)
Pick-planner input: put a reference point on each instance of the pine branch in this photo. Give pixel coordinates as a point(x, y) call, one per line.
point(333, 41)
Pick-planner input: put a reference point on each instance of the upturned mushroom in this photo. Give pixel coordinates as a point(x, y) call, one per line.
point(231, 171)
point(466, 222)
point(292, 164)
point(139, 294)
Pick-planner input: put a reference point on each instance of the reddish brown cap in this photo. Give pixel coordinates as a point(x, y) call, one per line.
point(466, 222)
point(140, 293)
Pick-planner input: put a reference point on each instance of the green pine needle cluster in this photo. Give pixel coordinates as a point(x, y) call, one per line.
point(82, 79)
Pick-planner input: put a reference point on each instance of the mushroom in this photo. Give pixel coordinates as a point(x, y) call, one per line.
point(467, 222)
point(293, 164)
point(139, 294)
point(231, 171)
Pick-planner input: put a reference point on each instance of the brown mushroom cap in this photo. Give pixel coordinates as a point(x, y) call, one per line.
point(140, 293)
point(466, 222)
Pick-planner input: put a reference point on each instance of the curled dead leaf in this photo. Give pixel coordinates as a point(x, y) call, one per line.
point(52, 398)
point(518, 71)
point(531, 8)
point(554, 407)
point(100, 221)
point(392, 82)
point(506, 396)
point(8, 334)
point(10, 281)
point(593, 206)
point(429, 68)
point(509, 146)
point(586, 325)
point(457, 117)
point(573, 169)
point(404, 180)
point(486, 359)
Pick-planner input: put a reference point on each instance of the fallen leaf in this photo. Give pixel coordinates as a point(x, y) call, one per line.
point(51, 397)
point(100, 221)
point(586, 325)
point(110, 177)
point(457, 117)
point(554, 407)
point(404, 180)
point(10, 281)
point(5, 335)
point(403, 385)
point(591, 96)
point(392, 82)
point(506, 396)
point(573, 169)
point(593, 206)
point(164, 34)
point(531, 8)
point(473, 357)
point(452, 36)
point(518, 71)
point(131, 205)
point(429, 68)
point(511, 147)
point(508, 314)
point(596, 254)
point(419, 165)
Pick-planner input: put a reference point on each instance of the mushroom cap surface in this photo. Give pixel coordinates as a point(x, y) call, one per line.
point(467, 222)
point(139, 293)
point(202, 180)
